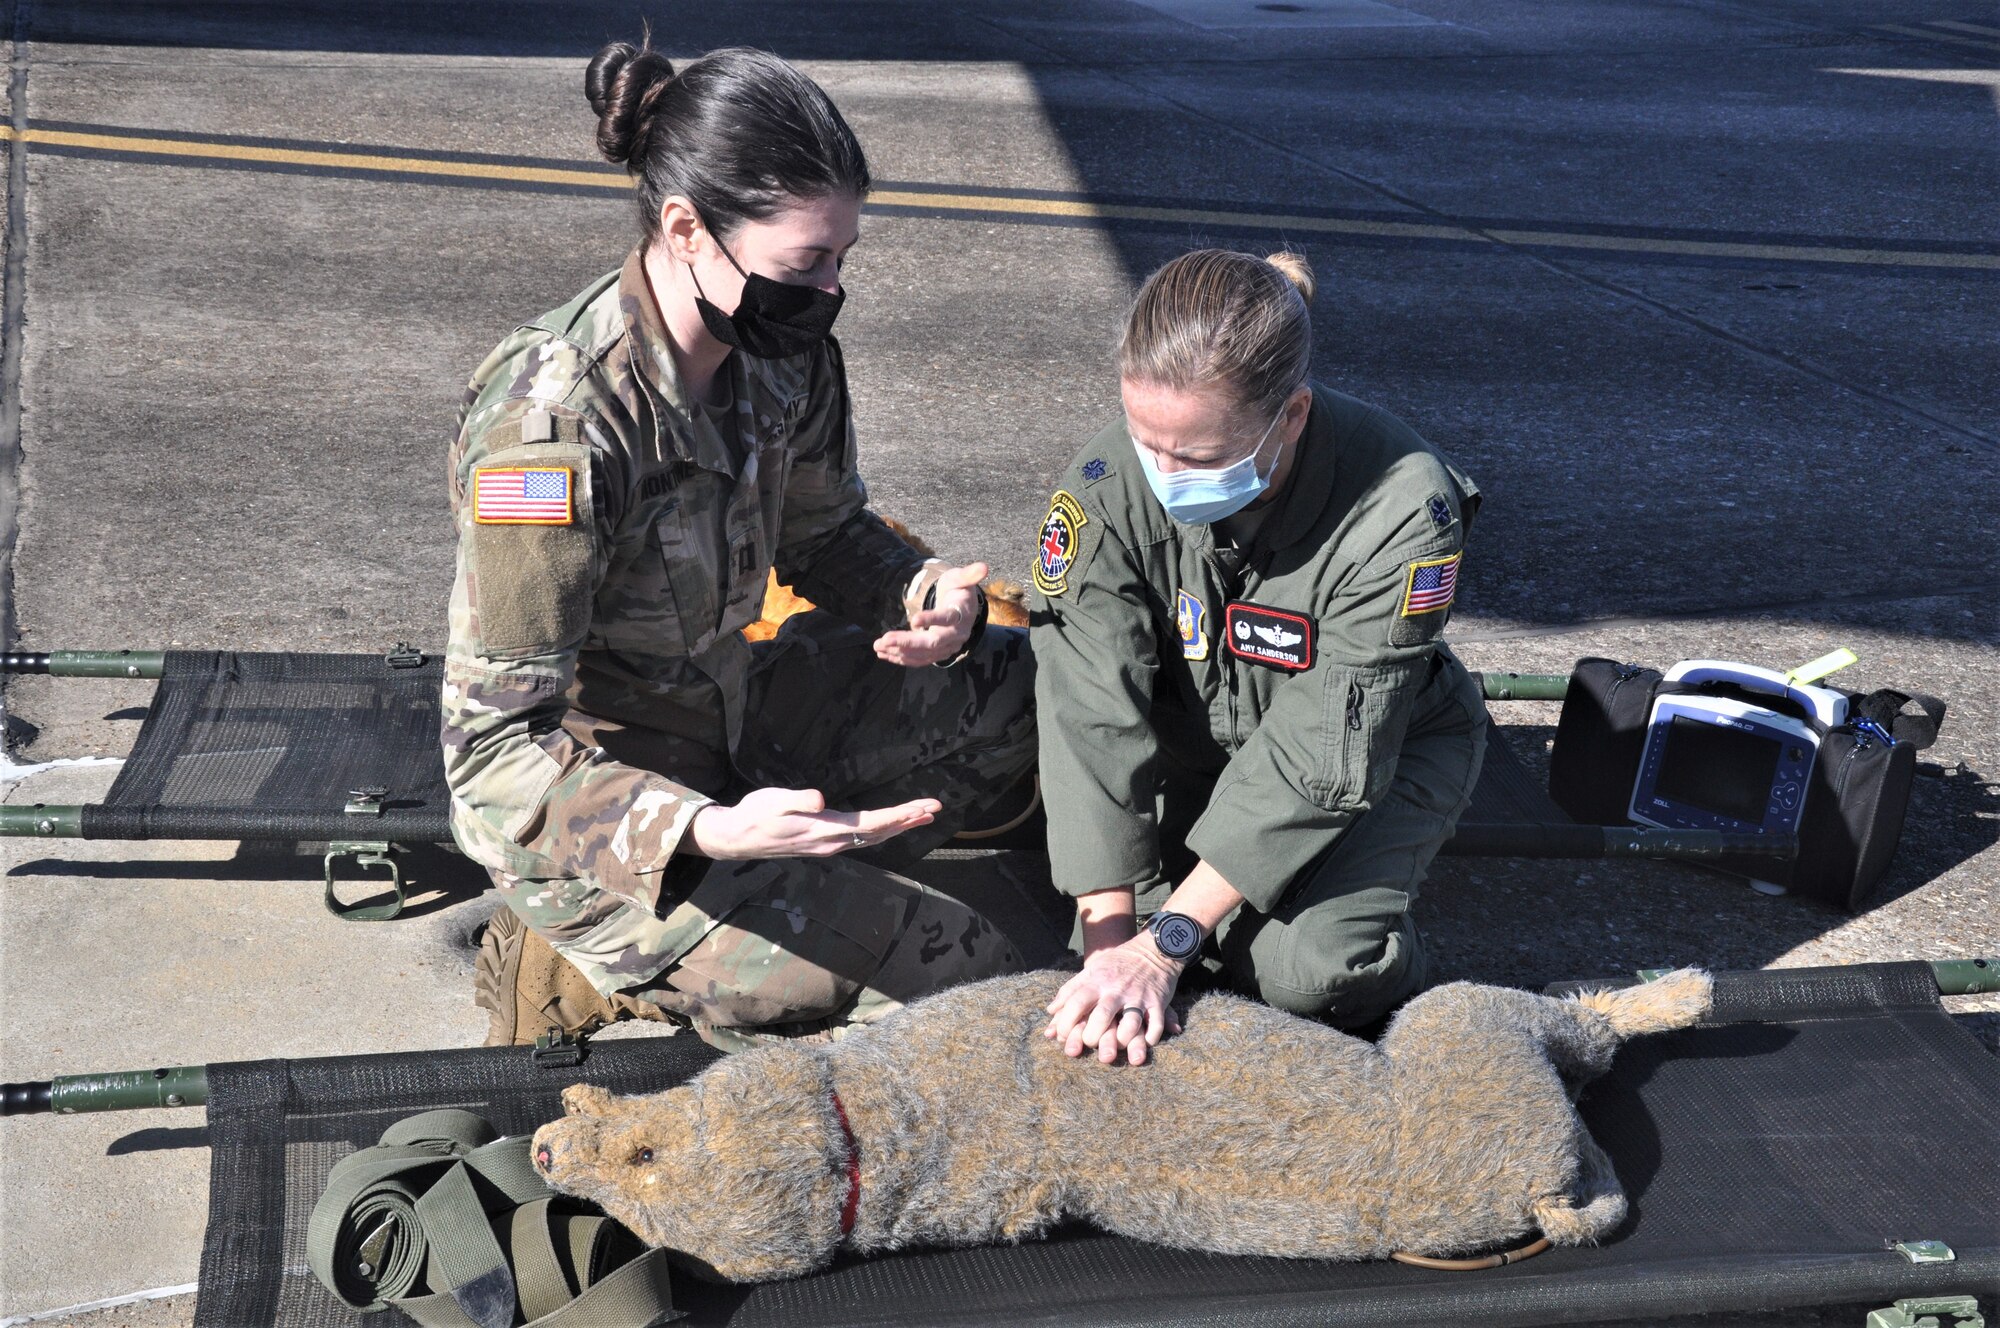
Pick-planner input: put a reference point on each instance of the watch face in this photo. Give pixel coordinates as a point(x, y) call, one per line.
point(1176, 936)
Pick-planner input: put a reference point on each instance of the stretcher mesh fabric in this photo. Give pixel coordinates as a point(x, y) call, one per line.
point(1769, 1155)
point(269, 746)
point(243, 745)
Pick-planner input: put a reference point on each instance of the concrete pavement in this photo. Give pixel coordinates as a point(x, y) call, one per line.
point(1623, 258)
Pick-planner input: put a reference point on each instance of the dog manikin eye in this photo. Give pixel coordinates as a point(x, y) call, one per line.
point(643, 1156)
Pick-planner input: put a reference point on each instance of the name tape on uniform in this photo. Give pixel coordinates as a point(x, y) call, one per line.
point(1275, 638)
point(522, 496)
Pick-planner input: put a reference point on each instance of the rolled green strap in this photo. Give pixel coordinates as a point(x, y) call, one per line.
point(453, 1226)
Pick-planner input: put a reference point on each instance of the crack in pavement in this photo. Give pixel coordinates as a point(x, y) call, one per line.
point(13, 313)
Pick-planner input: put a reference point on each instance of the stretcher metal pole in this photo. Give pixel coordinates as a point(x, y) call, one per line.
point(1523, 686)
point(39, 821)
point(125, 1090)
point(87, 663)
point(187, 1085)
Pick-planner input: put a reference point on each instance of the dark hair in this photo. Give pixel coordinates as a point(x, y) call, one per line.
point(739, 133)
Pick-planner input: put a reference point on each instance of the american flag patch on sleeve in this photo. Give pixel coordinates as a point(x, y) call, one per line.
point(1430, 585)
point(521, 496)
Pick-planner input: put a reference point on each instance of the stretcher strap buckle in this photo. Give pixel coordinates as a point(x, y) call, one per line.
point(1929, 1312)
point(557, 1048)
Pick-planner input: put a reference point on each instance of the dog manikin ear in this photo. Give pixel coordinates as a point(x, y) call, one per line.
point(586, 1100)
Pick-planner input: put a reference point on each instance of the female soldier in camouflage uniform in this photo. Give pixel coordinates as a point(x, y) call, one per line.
point(653, 794)
point(1249, 726)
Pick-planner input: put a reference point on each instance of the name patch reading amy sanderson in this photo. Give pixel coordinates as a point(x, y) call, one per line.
point(522, 496)
point(1275, 638)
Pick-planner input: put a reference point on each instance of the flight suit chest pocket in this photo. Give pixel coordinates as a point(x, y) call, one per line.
point(1364, 714)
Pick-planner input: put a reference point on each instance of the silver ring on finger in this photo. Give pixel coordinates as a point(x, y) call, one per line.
point(1132, 1009)
point(860, 840)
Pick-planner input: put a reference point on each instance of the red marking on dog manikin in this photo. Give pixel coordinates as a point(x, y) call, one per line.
point(853, 1204)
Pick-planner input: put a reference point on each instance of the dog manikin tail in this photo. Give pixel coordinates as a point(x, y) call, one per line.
point(1677, 1000)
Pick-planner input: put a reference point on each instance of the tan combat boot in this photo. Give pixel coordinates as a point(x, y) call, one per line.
point(526, 988)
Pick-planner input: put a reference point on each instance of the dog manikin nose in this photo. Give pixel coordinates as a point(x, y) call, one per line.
point(544, 1158)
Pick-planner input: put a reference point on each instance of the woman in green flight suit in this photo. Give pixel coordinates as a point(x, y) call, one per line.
point(1253, 740)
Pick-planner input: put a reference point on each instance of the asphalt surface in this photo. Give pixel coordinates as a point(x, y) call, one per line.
point(1702, 292)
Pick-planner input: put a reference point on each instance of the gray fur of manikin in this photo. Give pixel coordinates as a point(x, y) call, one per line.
point(1250, 1132)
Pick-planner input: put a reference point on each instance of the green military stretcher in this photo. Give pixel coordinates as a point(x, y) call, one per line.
point(343, 750)
point(1826, 1137)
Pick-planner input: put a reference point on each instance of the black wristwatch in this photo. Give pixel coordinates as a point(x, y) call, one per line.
point(1177, 934)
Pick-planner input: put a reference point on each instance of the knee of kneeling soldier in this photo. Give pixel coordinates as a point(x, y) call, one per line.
point(1348, 996)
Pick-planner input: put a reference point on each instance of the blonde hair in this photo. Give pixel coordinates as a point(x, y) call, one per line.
point(1217, 318)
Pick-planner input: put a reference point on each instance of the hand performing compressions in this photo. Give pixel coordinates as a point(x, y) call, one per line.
point(1120, 1002)
point(940, 632)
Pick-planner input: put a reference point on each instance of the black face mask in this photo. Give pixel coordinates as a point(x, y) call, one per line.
point(773, 320)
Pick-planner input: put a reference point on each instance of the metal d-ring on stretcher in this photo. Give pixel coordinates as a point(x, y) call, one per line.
point(343, 749)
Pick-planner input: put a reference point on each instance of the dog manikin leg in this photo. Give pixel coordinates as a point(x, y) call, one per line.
point(1594, 1211)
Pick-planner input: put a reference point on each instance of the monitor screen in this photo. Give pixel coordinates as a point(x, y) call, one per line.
point(1718, 769)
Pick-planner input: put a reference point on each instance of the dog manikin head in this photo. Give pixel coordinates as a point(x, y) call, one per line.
point(735, 1172)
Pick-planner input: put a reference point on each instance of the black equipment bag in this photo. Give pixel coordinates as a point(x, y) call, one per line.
point(1853, 813)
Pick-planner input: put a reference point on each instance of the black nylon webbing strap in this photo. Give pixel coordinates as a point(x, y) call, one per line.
point(1885, 707)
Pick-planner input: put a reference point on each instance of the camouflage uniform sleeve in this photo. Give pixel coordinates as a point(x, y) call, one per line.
point(1326, 750)
point(831, 548)
point(1096, 655)
point(528, 798)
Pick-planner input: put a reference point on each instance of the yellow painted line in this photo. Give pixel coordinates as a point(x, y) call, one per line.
point(1929, 35)
point(1027, 207)
point(1062, 207)
point(1979, 28)
point(1783, 253)
point(364, 161)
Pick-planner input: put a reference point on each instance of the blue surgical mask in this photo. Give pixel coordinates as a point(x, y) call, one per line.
point(1198, 497)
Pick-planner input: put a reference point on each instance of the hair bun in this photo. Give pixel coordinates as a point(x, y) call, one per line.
point(1296, 270)
point(622, 82)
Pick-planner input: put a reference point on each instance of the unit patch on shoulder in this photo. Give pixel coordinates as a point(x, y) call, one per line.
point(1430, 584)
point(1275, 638)
point(1191, 619)
point(1440, 511)
point(1062, 530)
point(1093, 470)
point(522, 496)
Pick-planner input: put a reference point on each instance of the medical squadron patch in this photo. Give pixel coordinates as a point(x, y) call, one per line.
point(1062, 529)
point(522, 496)
point(1275, 638)
point(1192, 621)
